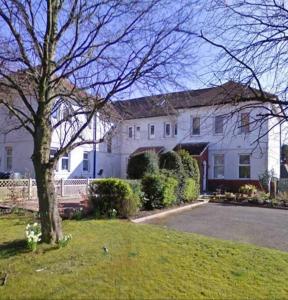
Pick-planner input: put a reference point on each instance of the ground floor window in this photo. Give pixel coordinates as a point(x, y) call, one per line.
point(65, 162)
point(219, 166)
point(244, 166)
point(86, 161)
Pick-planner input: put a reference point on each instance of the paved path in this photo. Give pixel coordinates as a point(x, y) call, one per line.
point(260, 226)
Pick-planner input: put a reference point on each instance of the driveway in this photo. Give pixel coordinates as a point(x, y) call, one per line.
point(260, 226)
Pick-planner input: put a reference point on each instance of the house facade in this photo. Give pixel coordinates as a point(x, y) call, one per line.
point(224, 135)
point(227, 138)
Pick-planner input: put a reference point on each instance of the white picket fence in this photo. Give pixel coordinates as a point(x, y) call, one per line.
point(26, 189)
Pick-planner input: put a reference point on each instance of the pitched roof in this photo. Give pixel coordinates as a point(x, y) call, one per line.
point(192, 148)
point(160, 105)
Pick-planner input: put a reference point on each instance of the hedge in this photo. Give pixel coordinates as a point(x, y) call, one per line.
point(141, 164)
point(158, 191)
point(191, 190)
point(171, 161)
point(111, 193)
point(190, 165)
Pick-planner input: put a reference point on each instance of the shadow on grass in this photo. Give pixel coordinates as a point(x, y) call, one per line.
point(13, 248)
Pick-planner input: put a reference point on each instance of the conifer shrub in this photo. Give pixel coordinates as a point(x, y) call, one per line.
point(110, 194)
point(141, 164)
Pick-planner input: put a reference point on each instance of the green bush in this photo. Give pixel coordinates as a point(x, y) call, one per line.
point(190, 164)
point(141, 164)
point(191, 190)
point(136, 189)
point(159, 191)
point(248, 189)
point(171, 161)
point(111, 193)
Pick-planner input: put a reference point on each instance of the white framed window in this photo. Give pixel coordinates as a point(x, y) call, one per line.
point(219, 124)
point(245, 122)
point(195, 124)
point(130, 132)
point(244, 166)
point(54, 113)
point(151, 131)
point(9, 158)
point(65, 162)
point(85, 161)
point(219, 166)
point(109, 143)
point(167, 129)
point(175, 129)
point(137, 132)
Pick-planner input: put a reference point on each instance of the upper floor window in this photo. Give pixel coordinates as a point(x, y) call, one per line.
point(109, 143)
point(167, 129)
point(245, 123)
point(244, 166)
point(137, 132)
point(219, 166)
point(130, 132)
point(54, 112)
point(65, 162)
point(53, 151)
point(9, 158)
point(86, 161)
point(219, 124)
point(151, 131)
point(175, 129)
point(195, 126)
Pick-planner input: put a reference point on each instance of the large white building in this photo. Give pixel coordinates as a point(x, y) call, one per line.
point(225, 135)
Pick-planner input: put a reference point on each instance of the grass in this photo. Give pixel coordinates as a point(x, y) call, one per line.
point(143, 262)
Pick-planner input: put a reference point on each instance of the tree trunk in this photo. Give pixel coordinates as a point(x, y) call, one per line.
point(44, 174)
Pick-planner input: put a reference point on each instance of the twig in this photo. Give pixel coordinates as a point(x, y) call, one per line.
point(4, 279)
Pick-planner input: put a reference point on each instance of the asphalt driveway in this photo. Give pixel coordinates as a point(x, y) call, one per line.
point(260, 226)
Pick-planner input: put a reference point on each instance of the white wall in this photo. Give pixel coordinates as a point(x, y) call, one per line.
point(274, 147)
point(231, 142)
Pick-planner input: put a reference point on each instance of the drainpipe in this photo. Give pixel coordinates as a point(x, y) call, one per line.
point(94, 146)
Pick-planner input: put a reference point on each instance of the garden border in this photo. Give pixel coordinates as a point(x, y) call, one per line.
point(170, 211)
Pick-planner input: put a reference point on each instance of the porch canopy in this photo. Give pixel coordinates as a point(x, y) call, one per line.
point(192, 148)
point(157, 150)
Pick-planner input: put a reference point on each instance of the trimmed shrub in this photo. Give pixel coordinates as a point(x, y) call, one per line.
point(159, 191)
point(190, 165)
point(137, 190)
point(187, 161)
point(111, 193)
point(171, 161)
point(191, 190)
point(141, 164)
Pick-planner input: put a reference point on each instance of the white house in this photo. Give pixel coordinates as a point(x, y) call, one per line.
point(225, 136)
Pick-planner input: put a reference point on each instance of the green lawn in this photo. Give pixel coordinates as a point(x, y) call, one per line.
point(144, 262)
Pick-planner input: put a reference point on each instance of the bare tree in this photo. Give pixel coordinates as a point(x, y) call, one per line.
point(249, 39)
point(80, 54)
